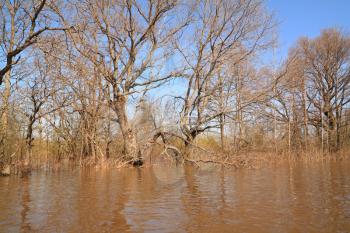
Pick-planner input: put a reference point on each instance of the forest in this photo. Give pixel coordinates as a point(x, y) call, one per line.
point(122, 82)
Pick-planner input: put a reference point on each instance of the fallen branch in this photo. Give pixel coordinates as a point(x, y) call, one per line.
point(210, 161)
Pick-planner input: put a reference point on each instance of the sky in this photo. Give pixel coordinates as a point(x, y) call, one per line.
point(298, 18)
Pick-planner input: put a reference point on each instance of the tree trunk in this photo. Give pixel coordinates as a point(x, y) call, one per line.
point(26, 166)
point(305, 115)
point(338, 126)
point(29, 143)
point(107, 155)
point(188, 148)
point(332, 135)
point(189, 143)
point(6, 97)
point(131, 150)
point(222, 132)
point(4, 118)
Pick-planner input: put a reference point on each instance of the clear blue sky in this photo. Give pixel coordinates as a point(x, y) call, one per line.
point(307, 18)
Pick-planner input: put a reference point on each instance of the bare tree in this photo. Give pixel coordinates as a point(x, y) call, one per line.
point(327, 60)
point(40, 88)
point(223, 32)
point(128, 43)
point(22, 25)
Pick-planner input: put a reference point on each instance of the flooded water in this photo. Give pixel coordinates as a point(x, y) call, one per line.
point(287, 198)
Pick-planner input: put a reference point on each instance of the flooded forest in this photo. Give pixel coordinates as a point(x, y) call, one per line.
point(170, 116)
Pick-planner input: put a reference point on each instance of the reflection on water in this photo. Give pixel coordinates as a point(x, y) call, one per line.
point(288, 198)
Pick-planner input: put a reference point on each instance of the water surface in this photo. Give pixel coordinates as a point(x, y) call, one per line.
point(287, 198)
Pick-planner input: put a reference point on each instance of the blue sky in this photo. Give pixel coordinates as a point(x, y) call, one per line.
point(297, 18)
point(307, 18)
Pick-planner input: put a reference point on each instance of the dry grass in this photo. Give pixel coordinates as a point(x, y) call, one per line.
point(256, 159)
point(208, 153)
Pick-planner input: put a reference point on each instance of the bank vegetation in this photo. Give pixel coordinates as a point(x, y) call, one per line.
point(129, 81)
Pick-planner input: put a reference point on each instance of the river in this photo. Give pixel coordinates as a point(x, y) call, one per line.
point(290, 197)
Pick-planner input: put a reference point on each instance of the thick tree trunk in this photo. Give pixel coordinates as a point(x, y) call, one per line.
point(131, 150)
point(26, 166)
point(6, 96)
point(189, 144)
point(29, 144)
point(188, 148)
point(4, 118)
point(332, 136)
point(28, 155)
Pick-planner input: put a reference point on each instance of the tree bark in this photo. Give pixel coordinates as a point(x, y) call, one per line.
point(305, 115)
point(188, 148)
point(222, 132)
point(29, 143)
point(4, 116)
point(131, 150)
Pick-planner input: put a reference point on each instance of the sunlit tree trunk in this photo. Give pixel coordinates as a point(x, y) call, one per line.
point(7, 92)
point(29, 142)
point(222, 107)
point(4, 117)
point(131, 150)
point(222, 131)
point(305, 114)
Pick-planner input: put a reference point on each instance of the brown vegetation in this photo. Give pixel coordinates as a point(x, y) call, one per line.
point(122, 82)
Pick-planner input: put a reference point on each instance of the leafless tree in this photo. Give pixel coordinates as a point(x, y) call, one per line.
point(223, 32)
point(327, 69)
point(40, 88)
point(22, 23)
point(128, 43)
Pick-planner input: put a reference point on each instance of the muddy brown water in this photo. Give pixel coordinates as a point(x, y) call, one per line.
point(286, 198)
